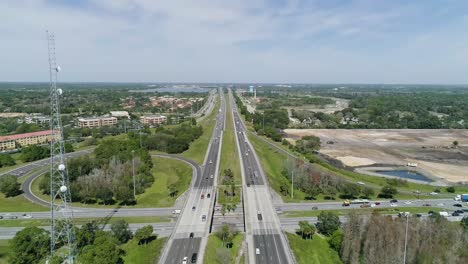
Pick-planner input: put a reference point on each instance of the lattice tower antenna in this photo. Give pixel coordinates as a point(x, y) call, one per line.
point(61, 229)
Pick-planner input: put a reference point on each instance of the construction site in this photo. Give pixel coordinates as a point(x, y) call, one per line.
point(438, 154)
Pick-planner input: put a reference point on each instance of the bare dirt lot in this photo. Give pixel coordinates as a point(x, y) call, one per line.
point(431, 149)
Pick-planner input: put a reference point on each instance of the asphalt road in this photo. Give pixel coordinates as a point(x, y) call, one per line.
point(264, 236)
point(23, 170)
point(196, 215)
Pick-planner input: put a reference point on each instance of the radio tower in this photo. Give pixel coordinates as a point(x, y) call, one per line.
point(61, 229)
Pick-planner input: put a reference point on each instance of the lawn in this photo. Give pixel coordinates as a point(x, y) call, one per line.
point(344, 212)
point(4, 248)
point(223, 198)
point(19, 204)
point(166, 171)
point(143, 254)
point(80, 221)
point(214, 243)
point(312, 251)
point(197, 149)
point(229, 152)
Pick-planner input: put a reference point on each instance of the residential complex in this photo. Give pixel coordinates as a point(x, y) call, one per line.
point(97, 122)
point(26, 139)
point(153, 120)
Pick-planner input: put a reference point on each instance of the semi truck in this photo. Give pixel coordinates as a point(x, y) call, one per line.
point(461, 197)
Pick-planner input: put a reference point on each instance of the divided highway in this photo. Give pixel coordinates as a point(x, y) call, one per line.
point(190, 233)
point(267, 243)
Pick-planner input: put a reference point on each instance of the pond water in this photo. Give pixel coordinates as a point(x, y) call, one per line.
point(406, 174)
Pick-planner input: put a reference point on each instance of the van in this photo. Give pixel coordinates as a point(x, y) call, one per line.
point(194, 258)
point(257, 251)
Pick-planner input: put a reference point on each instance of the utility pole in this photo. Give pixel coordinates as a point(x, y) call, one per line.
point(406, 238)
point(133, 173)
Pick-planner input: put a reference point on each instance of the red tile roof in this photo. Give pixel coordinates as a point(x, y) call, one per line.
point(25, 135)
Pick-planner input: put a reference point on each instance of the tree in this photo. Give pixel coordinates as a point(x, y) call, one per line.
point(29, 245)
point(455, 144)
point(226, 235)
point(328, 222)
point(69, 148)
point(451, 189)
point(9, 185)
point(350, 190)
point(388, 192)
point(368, 192)
point(6, 160)
point(86, 234)
point(33, 153)
point(306, 229)
point(144, 234)
point(104, 250)
point(464, 223)
point(335, 240)
point(121, 231)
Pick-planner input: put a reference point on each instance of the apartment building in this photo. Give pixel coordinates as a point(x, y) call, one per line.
point(153, 120)
point(97, 122)
point(26, 139)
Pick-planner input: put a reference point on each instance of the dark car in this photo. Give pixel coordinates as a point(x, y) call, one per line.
point(193, 208)
point(418, 215)
point(315, 208)
point(455, 214)
point(194, 258)
point(394, 201)
point(191, 235)
point(208, 196)
point(426, 204)
point(458, 205)
point(460, 211)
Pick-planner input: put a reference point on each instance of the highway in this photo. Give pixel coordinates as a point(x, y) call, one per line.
point(265, 239)
point(197, 213)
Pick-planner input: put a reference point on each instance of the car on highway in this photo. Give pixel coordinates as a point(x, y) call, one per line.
point(418, 215)
point(259, 216)
point(377, 203)
point(460, 211)
point(194, 258)
point(184, 260)
point(257, 251)
point(202, 196)
point(434, 193)
point(394, 201)
point(26, 216)
point(191, 235)
point(203, 218)
point(314, 208)
point(211, 176)
point(393, 205)
point(408, 202)
point(193, 208)
point(426, 204)
point(458, 205)
point(455, 214)
point(208, 195)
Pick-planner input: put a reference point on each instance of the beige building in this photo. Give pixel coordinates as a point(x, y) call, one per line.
point(153, 120)
point(97, 122)
point(26, 139)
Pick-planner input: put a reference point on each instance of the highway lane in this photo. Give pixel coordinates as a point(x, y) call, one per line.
point(266, 241)
point(196, 215)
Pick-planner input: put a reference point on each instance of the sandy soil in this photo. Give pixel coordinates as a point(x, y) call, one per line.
point(431, 149)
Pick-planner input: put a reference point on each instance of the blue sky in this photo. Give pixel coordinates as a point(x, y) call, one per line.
point(328, 41)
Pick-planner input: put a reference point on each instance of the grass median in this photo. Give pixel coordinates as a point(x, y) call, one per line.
point(215, 245)
point(344, 212)
point(312, 251)
point(149, 253)
point(21, 222)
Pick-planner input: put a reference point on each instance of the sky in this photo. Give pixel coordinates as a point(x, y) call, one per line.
point(249, 41)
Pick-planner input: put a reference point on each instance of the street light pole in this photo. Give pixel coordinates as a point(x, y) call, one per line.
point(292, 184)
point(406, 239)
point(133, 173)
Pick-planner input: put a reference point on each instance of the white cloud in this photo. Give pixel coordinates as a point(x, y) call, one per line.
point(207, 40)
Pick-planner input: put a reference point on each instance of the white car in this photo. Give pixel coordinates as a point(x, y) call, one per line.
point(257, 251)
point(408, 202)
point(393, 205)
point(26, 216)
point(184, 261)
point(434, 193)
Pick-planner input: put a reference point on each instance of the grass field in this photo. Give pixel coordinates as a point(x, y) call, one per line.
point(80, 221)
point(312, 251)
point(229, 152)
point(19, 204)
point(166, 171)
point(143, 254)
point(343, 212)
point(4, 251)
point(214, 243)
point(198, 147)
point(223, 198)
